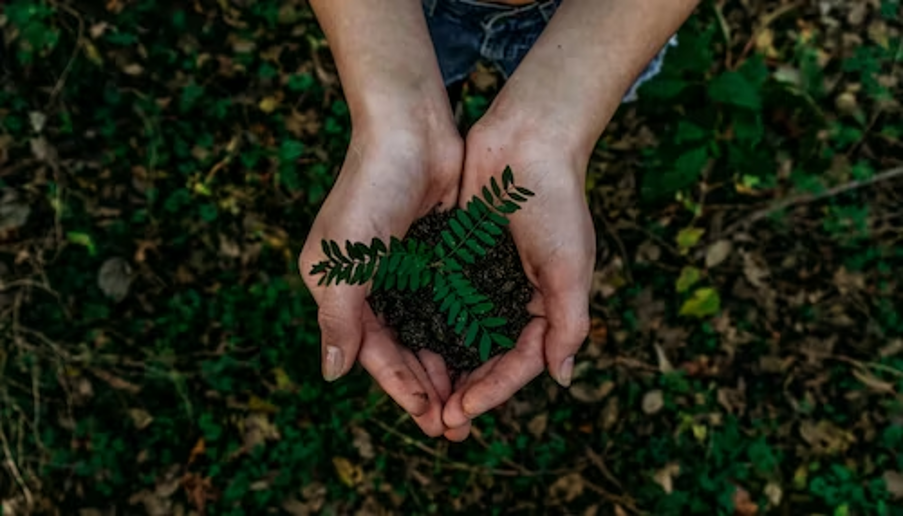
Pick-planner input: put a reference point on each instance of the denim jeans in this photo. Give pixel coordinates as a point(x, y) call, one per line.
point(467, 31)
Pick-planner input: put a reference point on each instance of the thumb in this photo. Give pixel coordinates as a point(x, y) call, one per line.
point(568, 317)
point(339, 316)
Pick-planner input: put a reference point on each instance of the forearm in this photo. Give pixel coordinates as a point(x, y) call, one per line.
point(385, 58)
point(574, 77)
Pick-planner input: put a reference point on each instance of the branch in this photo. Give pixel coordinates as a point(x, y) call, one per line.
point(808, 198)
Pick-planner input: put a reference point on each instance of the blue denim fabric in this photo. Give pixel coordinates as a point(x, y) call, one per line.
point(467, 31)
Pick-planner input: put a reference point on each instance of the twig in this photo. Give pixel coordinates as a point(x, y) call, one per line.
point(14, 470)
point(448, 462)
point(807, 198)
point(75, 50)
point(597, 461)
point(621, 248)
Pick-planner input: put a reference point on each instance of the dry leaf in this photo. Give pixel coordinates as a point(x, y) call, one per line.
point(362, 443)
point(868, 379)
point(586, 393)
point(114, 278)
point(773, 492)
point(743, 505)
point(141, 418)
point(665, 476)
point(567, 488)
point(619, 511)
point(609, 415)
point(268, 104)
point(893, 483)
point(652, 402)
point(259, 429)
point(350, 474)
point(538, 424)
point(717, 253)
point(664, 365)
point(755, 270)
point(133, 69)
point(13, 211)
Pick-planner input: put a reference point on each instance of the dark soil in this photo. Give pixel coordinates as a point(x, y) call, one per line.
point(418, 321)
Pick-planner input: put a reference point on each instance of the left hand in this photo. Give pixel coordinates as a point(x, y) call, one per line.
point(555, 238)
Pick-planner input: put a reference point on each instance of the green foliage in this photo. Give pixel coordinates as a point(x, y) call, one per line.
point(412, 265)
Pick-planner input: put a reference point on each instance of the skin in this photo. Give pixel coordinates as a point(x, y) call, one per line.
point(406, 158)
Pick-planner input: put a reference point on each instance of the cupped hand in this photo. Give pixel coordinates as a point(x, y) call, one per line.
point(390, 178)
point(555, 238)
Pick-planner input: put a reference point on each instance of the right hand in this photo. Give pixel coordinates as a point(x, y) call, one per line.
point(392, 176)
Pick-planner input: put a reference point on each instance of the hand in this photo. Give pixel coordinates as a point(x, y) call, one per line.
point(555, 238)
point(390, 177)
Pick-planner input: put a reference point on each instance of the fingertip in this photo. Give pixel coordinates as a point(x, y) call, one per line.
point(458, 434)
point(453, 413)
point(437, 373)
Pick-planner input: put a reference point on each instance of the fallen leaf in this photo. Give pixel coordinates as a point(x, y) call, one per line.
point(258, 429)
point(568, 488)
point(717, 253)
point(587, 394)
point(653, 402)
point(362, 443)
point(133, 69)
point(141, 418)
point(826, 438)
point(743, 505)
point(702, 303)
point(773, 492)
point(268, 104)
point(13, 211)
point(197, 450)
point(688, 277)
point(755, 269)
point(609, 415)
point(663, 361)
point(867, 378)
point(350, 474)
point(647, 252)
point(538, 424)
point(687, 238)
point(258, 404)
point(114, 278)
point(665, 476)
point(893, 482)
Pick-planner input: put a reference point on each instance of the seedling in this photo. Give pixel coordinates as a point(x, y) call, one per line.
point(414, 265)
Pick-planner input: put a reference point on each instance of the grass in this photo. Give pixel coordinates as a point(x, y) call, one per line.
point(160, 166)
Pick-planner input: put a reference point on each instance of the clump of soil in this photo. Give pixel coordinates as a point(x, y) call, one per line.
point(417, 319)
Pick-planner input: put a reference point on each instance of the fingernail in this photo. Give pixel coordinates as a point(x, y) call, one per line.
point(565, 371)
point(332, 363)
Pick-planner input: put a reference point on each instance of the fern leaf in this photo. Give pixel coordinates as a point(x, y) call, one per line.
point(491, 228)
point(484, 237)
point(451, 264)
point(465, 219)
point(487, 196)
point(377, 246)
point(508, 207)
point(415, 281)
point(474, 246)
point(497, 219)
point(394, 261)
point(482, 308)
point(401, 280)
point(369, 271)
point(363, 250)
point(456, 228)
point(337, 253)
point(462, 321)
point(493, 322)
point(472, 333)
point(502, 340)
point(352, 251)
point(517, 197)
point(453, 312)
point(465, 255)
point(447, 303)
point(322, 280)
point(395, 245)
point(334, 272)
point(326, 249)
point(390, 282)
point(507, 177)
point(524, 191)
point(426, 277)
point(496, 190)
point(449, 239)
point(484, 349)
point(319, 268)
